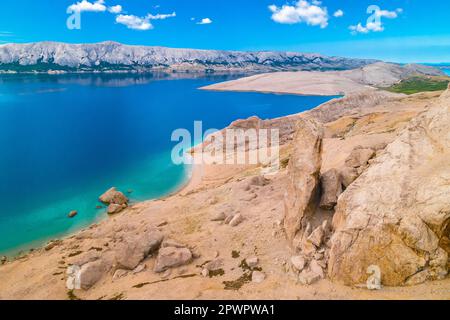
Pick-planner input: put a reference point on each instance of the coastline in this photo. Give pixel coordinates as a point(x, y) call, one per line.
point(185, 217)
point(318, 85)
point(301, 83)
point(196, 172)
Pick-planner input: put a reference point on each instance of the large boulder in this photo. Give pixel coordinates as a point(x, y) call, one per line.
point(91, 273)
point(112, 196)
point(115, 208)
point(172, 257)
point(302, 193)
point(136, 247)
point(397, 214)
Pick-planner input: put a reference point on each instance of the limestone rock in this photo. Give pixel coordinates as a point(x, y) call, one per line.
point(116, 208)
point(219, 216)
point(228, 219)
point(171, 257)
point(140, 268)
point(298, 263)
point(252, 262)
point(3, 260)
point(91, 273)
point(316, 268)
point(316, 237)
point(84, 258)
point(418, 278)
point(120, 273)
point(331, 189)
point(397, 214)
point(237, 219)
point(112, 196)
point(214, 265)
point(205, 273)
point(172, 243)
point(359, 157)
point(135, 248)
point(51, 244)
point(302, 193)
point(348, 175)
point(258, 277)
point(72, 214)
point(308, 277)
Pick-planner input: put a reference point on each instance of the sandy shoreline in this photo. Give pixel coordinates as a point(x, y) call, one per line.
point(298, 83)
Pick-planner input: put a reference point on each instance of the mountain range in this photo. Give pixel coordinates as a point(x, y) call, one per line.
point(115, 57)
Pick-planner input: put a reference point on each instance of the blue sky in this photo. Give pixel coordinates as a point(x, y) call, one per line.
point(399, 30)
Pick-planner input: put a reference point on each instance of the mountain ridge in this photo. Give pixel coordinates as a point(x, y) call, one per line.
point(113, 56)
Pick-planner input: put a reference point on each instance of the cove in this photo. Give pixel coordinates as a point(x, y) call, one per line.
point(65, 139)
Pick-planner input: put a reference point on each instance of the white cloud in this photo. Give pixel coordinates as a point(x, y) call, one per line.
point(129, 20)
point(339, 13)
point(375, 25)
point(84, 5)
point(301, 12)
point(161, 16)
point(205, 21)
point(134, 22)
point(386, 14)
point(115, 9)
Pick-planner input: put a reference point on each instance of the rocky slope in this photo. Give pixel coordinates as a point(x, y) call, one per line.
point(112, 56)
point(375, 75)
point(397, 214)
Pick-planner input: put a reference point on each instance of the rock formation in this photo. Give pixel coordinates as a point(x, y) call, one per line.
point(115, 200)
point(397, 214)
point(304, 174)
point(107, 56)
point(331, 186)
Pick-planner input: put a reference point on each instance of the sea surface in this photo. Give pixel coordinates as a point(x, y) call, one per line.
point(446, 70)
point(65, 139)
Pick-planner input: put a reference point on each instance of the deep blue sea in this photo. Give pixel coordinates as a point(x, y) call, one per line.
point(65, 139)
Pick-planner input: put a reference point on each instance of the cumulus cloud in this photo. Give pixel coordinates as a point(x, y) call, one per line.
point(130, 21)
point(374, 23)
point(205, 21)
point(86, 6)
point(371, 26)
point(115, 9)
point(134, 22)
point(339, 13)
point(303, 11)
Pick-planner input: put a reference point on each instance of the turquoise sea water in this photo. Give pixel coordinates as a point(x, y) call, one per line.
point(447, 71)
point(66, 139)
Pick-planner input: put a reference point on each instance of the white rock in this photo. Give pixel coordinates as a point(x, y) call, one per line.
point(237, 219)
point(298, 263)
point(252, 262)
point(258, 277)
point(172, 257)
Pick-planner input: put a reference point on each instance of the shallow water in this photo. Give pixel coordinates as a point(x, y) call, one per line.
point(66, 139)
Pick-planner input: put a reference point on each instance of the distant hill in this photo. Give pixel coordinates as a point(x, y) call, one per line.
point(116, 57)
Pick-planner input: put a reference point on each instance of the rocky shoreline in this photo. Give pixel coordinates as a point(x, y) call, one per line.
point(363, 182)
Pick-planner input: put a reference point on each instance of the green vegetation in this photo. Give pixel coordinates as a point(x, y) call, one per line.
point(420, 84)
point(216, 273)
point(238, 283)
point(71, 296)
